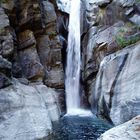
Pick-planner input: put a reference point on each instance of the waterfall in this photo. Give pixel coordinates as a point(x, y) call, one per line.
point(72, 82)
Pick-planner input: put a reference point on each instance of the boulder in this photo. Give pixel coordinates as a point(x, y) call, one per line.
point(127, 131)
point(27, 111)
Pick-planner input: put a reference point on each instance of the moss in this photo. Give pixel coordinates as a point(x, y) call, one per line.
point(127, 35)
point(123, 42)
point(137, 1)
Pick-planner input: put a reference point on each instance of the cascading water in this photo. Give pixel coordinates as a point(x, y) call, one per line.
point(72, 82)
point(77, 124)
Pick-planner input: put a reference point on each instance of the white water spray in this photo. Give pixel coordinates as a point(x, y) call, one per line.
point(72, 82)
point(73, 59)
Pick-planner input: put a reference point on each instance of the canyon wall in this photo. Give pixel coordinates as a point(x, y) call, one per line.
point(33, 43)
point(111, 59)
point(31, 69)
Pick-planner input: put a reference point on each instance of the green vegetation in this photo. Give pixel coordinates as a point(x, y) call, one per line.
point(123, 42)
point(137, 1)
point(128, 34)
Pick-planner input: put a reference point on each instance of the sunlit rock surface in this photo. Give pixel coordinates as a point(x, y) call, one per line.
point(127, 131)
point(117, 85)
point(27, 111)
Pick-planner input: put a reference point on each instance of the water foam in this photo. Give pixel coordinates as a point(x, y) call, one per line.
point(79, 112)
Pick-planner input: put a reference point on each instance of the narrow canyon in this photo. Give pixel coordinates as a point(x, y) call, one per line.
point(69, 69)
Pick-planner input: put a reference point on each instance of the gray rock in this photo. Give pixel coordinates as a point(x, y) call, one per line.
point(4, 81)
point(4, 19)
point(30, 63)
point(27, 112)
point(5, 72)
point(49, 12)
point(92, 13)
point(127, 131)
point(6, 39)
point(50, 56)
point(135, 19)
point(5, 64)
point(100, 2)
point(118, 79)
point(64, 5)
point(125, 3)
point(129, 11)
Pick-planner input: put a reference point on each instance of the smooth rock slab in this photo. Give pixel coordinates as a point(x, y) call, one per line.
point(127, 131)
point(117, 85)
point(26, 111)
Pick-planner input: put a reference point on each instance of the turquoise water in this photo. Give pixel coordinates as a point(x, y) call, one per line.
point(79, 128)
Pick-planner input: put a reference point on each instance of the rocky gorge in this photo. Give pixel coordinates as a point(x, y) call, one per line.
point(33, 54)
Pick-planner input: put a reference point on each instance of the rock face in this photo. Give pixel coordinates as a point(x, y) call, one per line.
point(27, 111)
point(29, 39)
point(110, 27)
point(127, 131)
point(117, 89)
point(30, 50)
point(30, 44)
point(33, 42)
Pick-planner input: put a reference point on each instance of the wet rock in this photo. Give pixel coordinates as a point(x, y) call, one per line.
point(27, 112)
point(118, 79)
point(127, 131)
